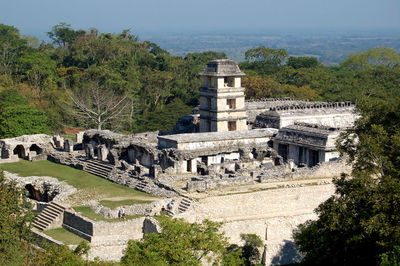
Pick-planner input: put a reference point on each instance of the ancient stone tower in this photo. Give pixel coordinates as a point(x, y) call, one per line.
point(222, 97)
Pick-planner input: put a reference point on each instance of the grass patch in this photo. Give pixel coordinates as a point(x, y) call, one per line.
point(74, 177)
point(64, 235)
point(114, 204)
point(89, 213)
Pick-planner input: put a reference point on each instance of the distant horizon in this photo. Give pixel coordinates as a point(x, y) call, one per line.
point(387, 32)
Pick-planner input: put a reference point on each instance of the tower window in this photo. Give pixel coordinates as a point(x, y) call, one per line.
point(209, 103)
point(231, 103)
point(232, 125)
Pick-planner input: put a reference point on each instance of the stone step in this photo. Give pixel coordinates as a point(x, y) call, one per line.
point(40, 225)
point(48, 215)
point(44, 218)
point(99, 163)
point(169, 213)
point(56, 205)
point(94, 172)
point(185, 203)
point(52, 211)
point(93, 167)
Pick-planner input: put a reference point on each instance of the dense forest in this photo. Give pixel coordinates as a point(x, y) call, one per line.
point(88, 79)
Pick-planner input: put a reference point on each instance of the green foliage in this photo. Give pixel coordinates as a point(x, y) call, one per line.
point(250, 250)
point(362, 220)
point(179, 243)
point(18, 118)
point(63, 34)
point(39, 70)
point(12, 46)
point(391, 258)
point(164, 119)
point(15, 219)
point(264, 60)
point(380, 56)
point(302, 62)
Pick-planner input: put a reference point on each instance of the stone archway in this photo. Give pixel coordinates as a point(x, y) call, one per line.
point(36, 148)
point(32, 193)
point(20, 151)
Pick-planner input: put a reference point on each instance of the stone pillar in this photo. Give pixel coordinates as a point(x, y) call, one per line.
point(89, 151)
point(31, 155)
point(79, 136)
point(131, 155)
point(68, 145)
point(155, 170)
point(102, 152)
point(58, 141)
point(193, 165)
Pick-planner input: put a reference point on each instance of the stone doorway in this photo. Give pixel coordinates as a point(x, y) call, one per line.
point(36, 148)
point(20, 151)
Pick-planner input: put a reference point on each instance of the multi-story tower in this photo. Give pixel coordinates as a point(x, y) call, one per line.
point(222, 105)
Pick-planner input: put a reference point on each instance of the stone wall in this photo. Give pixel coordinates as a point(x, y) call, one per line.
point(78, 225)
point(271, 214)
point(337, 115)
point(258, 106)
point(204, 184)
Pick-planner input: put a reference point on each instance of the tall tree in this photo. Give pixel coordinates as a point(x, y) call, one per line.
point(98, 105)
point(264, 60)
point(12, 46)
point(380, 56)
point(361, 222)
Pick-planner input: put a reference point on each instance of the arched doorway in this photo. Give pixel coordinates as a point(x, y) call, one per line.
point(36, 148)
point(20, 151)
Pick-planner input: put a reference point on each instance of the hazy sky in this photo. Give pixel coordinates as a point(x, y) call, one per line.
point(35, 17)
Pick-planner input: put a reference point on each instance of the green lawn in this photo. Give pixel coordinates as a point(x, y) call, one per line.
point(114, 204)
point(89, 213)
point(74, 177)
point(64, 236)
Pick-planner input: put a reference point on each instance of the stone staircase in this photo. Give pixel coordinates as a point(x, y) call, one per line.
point(169, 213)
point(142, 186)
point(98, 168)
point(185, 204)
point(48, 216)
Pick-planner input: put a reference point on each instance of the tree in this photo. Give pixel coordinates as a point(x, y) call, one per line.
point(18, 118)
point(302, 62)
point(264, 60)
point(40, 71)
point(62, 34)
point(361, 222)
point(179, 243)
point(15, 219)
point(98, 105)
point(380, 56)
point(12, 47)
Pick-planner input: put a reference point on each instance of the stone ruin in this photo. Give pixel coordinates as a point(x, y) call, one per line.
point(42, 188)
point(30, 147)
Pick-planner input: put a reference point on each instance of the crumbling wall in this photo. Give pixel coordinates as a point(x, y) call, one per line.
point(337, 114)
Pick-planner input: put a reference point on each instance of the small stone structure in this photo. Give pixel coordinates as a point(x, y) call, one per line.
point(42, 188)
point(307, 144)
point(30, 147)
